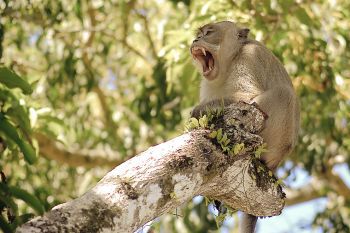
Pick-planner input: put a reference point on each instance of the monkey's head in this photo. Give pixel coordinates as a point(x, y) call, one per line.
point(215, 46)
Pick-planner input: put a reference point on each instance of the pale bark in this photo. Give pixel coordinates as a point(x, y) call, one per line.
point(170, 174)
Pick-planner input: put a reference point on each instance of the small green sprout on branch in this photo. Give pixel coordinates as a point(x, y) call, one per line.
point(217, 134)
point(223, 211)
point(261, 149)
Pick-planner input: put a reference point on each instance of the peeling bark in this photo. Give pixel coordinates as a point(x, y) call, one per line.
point(170, 174)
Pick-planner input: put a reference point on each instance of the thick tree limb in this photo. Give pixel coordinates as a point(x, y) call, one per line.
point(311, 191)
point(337, 183)
point(170, 174)
point(52, 150)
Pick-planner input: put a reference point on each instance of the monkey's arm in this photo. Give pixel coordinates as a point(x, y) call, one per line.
point(281, 127)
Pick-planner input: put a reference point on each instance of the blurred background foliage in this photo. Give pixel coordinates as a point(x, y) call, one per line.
point(85, 85)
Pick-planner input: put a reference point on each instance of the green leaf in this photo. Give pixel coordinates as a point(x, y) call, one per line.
point(223, 139)
point(213, 134)
point(7, 200)
point(173, 195)
point(12, 80)
point(227, 142)
point(279, 182)
point(28, 152)
point(220, 219)
point(19, 116)
point(11, 132)
point(77, 10)
point(25, 218)
point(203, 121)
point(261, 149)
point(207, 109)
point(219, 112)
point(237, 148)
point(219, 134)
point(261, 169)
point(4, 225)
point(194, 122)
point(286, 4)
point(8, 129)
point(231, 122)
point(27, 198)
point(302, 16)
point(207, 201)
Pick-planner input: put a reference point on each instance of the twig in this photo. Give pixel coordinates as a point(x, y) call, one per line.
point(148, 35)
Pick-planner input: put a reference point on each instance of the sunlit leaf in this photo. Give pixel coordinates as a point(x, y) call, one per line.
point(12, 80)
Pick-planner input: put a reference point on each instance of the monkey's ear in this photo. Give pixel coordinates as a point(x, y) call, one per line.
point(243, 33)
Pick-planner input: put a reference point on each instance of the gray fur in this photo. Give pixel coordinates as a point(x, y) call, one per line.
point(245, 70)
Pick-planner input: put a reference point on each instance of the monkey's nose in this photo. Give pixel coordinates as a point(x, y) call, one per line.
point(195, 40)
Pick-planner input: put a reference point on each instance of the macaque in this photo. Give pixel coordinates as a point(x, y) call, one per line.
point(236, 68)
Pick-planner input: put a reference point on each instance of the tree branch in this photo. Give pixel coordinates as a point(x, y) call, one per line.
point(87, 63)
point(107, 33)
point(51, 150)
point(337, 184)
point(134, 50)
point(148, 35)
point(168, 175)
point(308, 192)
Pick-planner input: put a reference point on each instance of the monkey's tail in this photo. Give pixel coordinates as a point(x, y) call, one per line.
point(248, 223)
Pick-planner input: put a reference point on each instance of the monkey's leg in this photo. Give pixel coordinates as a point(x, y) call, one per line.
point(281, 108)
point(280, 105)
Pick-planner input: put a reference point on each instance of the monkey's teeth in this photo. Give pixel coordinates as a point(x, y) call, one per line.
point(203, 51)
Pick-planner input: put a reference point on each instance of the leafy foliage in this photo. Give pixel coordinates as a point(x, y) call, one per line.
point(115, 77)
point(15, 142)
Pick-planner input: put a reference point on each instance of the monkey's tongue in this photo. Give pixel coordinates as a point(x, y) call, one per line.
point(208, 63)
point(205, 58)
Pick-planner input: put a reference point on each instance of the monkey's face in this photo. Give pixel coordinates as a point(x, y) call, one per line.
point(214, 48)
point(204, 50)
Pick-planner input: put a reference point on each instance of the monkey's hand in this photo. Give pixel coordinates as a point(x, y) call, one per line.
point(202, 109)
point(255, 104)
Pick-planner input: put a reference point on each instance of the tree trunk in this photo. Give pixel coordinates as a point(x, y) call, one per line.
point(170, 174)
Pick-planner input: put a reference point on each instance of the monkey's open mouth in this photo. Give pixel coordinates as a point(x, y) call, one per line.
point(204, 57)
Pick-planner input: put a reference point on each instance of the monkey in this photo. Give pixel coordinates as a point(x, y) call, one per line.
point(236, 68)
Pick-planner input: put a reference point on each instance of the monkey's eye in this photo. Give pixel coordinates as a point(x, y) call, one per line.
point(208, 32)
